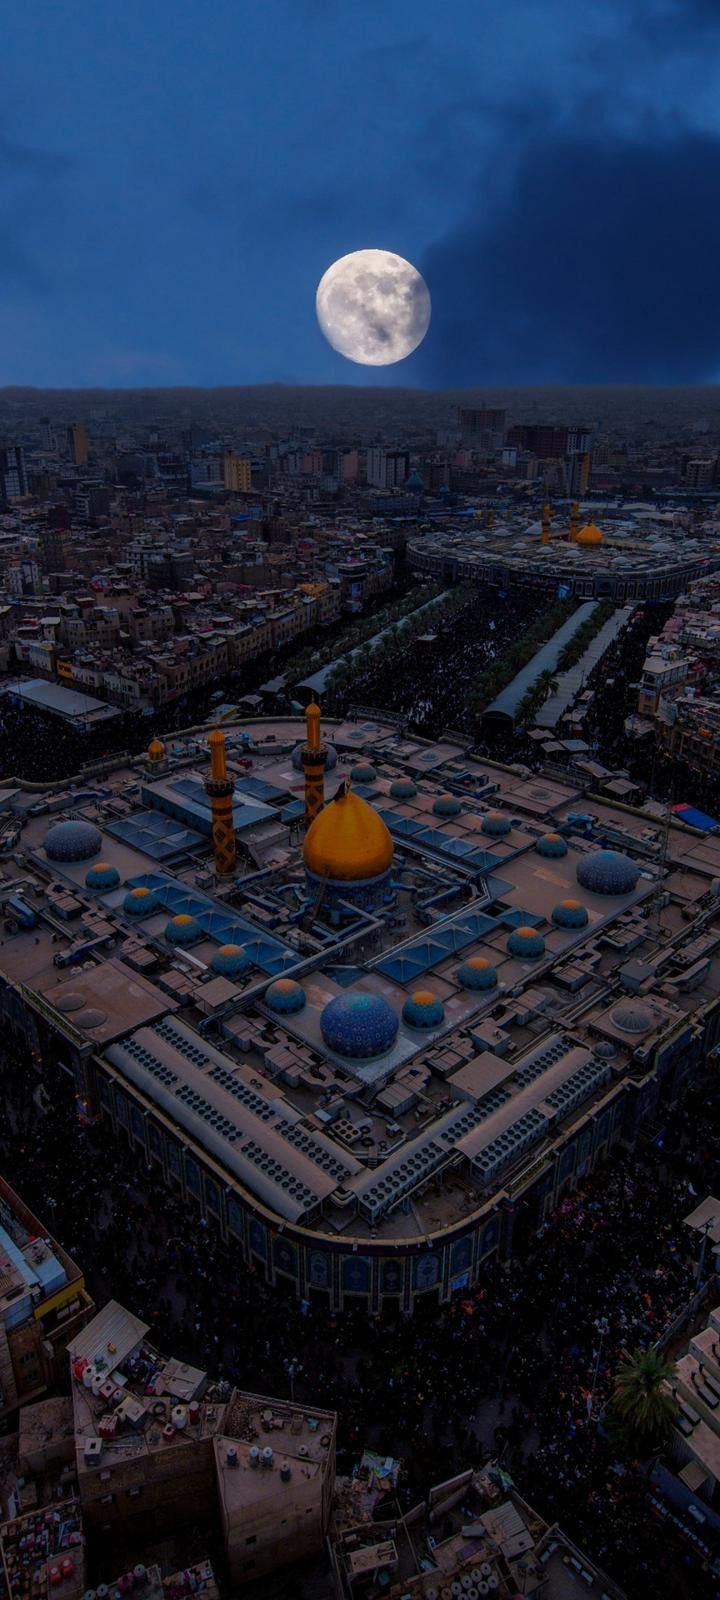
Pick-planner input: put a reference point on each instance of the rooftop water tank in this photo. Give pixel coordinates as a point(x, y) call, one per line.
point(254, 1456)
point(267, 1456)
point(232, 1456)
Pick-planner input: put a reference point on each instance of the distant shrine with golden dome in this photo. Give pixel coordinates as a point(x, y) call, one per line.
point(348, 850)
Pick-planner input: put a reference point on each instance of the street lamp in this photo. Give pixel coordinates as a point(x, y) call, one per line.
point(292, 1368)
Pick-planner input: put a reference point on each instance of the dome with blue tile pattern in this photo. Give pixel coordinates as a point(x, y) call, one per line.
point(447, 805)
point(607, 872)
point(496, 824)
point(182, 929)
point(551, 844)
point(363, 773)
point(359, 1025)
point(422, 1009)
point(102, 877)
point(570, 914)
point(477, 973)
point(285, 995)
point(73, 840)
point(526, 943)
point(330, 757)
point(229, 961)
point(140, 902)
point(403, 789)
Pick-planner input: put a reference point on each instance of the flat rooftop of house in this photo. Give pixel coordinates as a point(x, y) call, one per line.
point(272, 1450)
point(69, 704)
point(128, 1400)
point(29, 1269)
point(45, 1549)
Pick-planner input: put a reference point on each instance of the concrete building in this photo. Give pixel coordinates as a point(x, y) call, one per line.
point(237, 473)
point(275, 1467)
point(43, 1300)
point(77, 444)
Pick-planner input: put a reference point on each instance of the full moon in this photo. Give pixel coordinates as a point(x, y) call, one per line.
point(373, 306)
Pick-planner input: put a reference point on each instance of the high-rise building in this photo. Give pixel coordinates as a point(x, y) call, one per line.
point(482, 428)
point(52, 549)
point(237, 473)
point(77, 443)
point(387, 469)
point(577, 471)
point(48, 437)
point(13, 474)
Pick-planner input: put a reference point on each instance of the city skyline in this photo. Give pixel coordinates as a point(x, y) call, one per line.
point(175, 189)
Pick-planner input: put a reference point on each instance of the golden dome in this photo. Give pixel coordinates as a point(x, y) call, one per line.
point(156, 750)
point(590, 534)
point(348, 841)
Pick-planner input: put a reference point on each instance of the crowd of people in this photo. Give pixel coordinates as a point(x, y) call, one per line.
point(432, 684)
point(517, 1368)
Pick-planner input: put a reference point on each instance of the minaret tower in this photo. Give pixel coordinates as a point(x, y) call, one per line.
point(219, 788)
point(314, 755)
point(545, 537)
point(574, 512)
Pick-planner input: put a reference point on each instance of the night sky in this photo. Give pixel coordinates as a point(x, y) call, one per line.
point(176, 175)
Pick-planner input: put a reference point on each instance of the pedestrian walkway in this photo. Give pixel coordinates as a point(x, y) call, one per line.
point(571, 682)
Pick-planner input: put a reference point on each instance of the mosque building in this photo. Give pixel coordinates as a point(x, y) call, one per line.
point(371, 1008)
point(348, 853)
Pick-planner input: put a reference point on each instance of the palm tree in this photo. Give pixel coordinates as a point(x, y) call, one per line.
point(641, 1411)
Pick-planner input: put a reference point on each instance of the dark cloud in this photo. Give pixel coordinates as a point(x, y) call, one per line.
point(599, 264)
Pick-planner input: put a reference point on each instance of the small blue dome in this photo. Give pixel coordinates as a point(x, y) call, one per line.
point(607, 872)
point(359, 1025)
point(551, 844)
point(422, 1009)
point(330, 757)
point(447, 805)
point(477, 973)
point(182, 929)
point(74, 840)
point(403, 789)
point(570, 914)
point(285, 995)
point(363, 773)
point(526, 943)
point(229, 961)
point(496, 824)
point(139, 902)
point(102, 877)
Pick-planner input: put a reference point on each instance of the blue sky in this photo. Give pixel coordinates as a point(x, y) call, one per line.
point(175, 178)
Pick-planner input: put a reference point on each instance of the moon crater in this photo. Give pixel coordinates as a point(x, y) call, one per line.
point(373, 307)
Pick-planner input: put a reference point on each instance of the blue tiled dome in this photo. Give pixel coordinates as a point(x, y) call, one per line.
point(359, 1025)
point(74, 840)
point(496, 824)
point(139, 902)
point(229, 961)
point(570, 914)
point(330, 757)
point(285, 996)
point(403, 789)
point(607, 872)
point(102, 877)
point(551, 844)
point(477, 973)
point(363, 773)
point(447, 805)
point(182, 929)
point(526, 943)
point(422, 1009)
